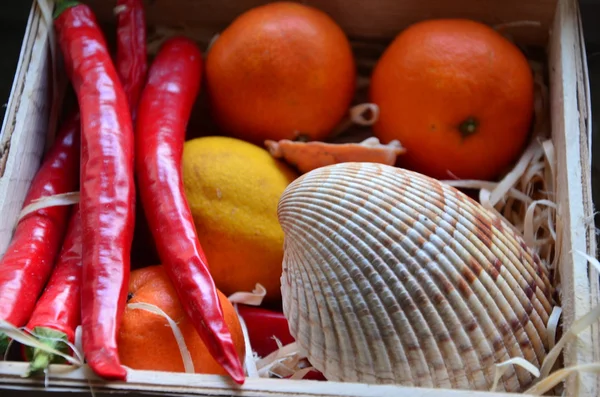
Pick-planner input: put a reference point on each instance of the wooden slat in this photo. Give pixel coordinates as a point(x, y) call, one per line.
point(571, 140)
point(146, 383)
point(25, 125)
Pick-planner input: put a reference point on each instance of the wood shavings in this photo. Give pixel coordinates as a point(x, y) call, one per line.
point(287, 361)
point(556, 377)
point(552, 325)
point(49, 201)
point(249, 359)
point(253, 298)
point(504, 366)
point(188, 364)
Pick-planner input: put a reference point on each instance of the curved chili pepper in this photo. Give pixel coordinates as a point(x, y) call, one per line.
point(107, 185)
point(172, 87)
point(30, 256)
point(58, 311)
point(132, 67)
point(131, 60)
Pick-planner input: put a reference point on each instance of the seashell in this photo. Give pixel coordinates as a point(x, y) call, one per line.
point(390, 276)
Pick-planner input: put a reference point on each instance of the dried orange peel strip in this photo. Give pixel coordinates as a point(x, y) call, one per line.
point(307, 156)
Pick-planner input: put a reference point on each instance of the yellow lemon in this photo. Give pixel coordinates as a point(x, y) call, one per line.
point(233, 188)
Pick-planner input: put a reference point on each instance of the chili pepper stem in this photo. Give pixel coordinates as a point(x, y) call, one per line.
point(62, 5)
point(40, 359)
point(4, 341)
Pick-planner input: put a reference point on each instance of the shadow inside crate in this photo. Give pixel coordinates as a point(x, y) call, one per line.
point(13, 21)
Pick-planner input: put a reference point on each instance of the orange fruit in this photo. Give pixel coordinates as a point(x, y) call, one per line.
point(146, 340)
point(280, 70)
point(457, 95)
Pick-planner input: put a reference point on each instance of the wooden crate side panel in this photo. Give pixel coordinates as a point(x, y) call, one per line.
point(28, 128)
point(359, 18)
point(148, 383)
point(569, 126)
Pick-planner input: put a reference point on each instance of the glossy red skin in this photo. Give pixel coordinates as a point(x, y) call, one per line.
point(107, 202)
point(131, 61)
point(30, 256)
point(171, 89)
point(132, 67)
point(59, 307)
point(263, 325)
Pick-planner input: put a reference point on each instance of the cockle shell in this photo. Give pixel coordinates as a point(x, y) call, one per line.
point(393, 277)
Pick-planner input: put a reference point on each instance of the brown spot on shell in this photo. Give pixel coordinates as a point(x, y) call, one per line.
point(468, 274)
point(412, 348)
point(528, 310)
point(528, 291)
point(463, 287)
point(483, 229)
point(465, 348)
point(525, 343)
point(475, 267)
point(438, 299)
point(447, 287)
point(387, 207)
point(497, 264)
point(439, 190)
point(472, 326)
point(494, 274)
point(443, 337)
point(426, 234)
point(498, 344)
point(497, 223)
point(504, 328)
point(420, 241)
point(515, 324)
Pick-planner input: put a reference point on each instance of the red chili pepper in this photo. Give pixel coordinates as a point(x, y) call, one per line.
point(30, 256)
point(172, 87)
point(58, 311)
point(263, 326)
point(132, 67)
point(131, 49)
point(107, 185)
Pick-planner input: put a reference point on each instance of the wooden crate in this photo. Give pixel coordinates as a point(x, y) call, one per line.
point(25, 132)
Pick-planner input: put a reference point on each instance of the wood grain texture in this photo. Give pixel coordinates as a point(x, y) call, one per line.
point(571, 139)
point(25, 126)
point(150, 383)
point(363, 18)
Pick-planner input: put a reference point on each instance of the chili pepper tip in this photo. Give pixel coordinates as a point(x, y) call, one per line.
point(236, 373)
point(108, 367)
point(62, 6)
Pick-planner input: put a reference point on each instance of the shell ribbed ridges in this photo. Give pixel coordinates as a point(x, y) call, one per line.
point(392, 277)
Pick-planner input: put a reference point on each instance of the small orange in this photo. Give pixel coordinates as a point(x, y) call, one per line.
point(146, 340)
point(457, 95)
point(279, 70)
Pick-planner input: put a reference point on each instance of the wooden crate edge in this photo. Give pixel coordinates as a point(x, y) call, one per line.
point(64, 377)
point(27, 122)
point(571, 138)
